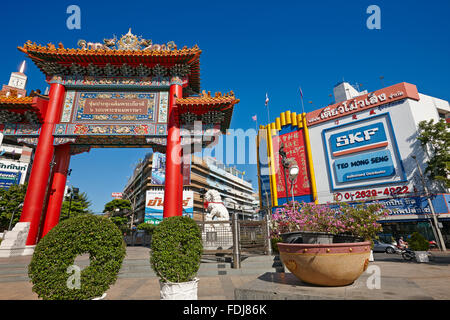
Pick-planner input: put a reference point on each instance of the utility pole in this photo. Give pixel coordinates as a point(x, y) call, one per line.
point(433, 212)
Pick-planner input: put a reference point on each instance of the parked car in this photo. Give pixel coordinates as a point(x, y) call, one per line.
point(379, 246)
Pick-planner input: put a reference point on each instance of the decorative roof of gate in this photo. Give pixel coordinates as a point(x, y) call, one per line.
point(30, 109)
point(129, 56)
point(216, 109)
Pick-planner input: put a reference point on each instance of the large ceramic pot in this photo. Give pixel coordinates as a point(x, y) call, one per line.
point(336, 264)
point(307, 237)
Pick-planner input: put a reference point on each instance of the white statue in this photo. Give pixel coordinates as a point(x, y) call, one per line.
point(217, 212)
point(215, 207)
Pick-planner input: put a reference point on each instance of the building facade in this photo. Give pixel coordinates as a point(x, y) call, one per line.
point(145, 188)
point(15, 158)
point(364, 147)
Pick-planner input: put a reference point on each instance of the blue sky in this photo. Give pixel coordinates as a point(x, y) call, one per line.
point(250, 47)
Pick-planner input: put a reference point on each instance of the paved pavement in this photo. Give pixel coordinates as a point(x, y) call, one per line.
point(218, 281)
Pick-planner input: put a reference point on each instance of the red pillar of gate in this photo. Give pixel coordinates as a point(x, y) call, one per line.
point(173, 190)
point(58, 185)
point(37, 185)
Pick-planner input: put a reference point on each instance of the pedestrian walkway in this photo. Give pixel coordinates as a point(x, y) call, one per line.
point(219, 281)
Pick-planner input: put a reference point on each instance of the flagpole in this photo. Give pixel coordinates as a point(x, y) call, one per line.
point(301, 98)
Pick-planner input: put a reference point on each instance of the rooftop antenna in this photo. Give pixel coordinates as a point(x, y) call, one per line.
point(22, 67)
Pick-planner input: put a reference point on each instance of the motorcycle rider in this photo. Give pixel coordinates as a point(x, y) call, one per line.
point(402, 244)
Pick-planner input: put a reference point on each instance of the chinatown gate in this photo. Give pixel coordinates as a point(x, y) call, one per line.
point(125, 92)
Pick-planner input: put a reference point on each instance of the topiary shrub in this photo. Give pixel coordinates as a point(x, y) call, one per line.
point(56, 252)
point(176, 249)
point(418, 242)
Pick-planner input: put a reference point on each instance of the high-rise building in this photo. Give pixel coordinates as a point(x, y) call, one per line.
point(15, 159)
point(145, 188)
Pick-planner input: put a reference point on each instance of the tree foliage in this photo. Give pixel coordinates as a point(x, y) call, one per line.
point(418, 242)
point(123, 205)
point(147, 227)
point(79, 205)
point(117, 210)
point(10, 200)
point(435, 139)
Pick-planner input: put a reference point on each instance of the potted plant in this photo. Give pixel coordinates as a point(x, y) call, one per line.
point(176, 256)
point(52, 269)
point(420, 246)
point(338, 261)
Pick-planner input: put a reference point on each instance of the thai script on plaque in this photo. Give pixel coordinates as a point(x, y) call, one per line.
point(116, 106)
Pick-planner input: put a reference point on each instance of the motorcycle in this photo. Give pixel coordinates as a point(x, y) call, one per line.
point(408, 254)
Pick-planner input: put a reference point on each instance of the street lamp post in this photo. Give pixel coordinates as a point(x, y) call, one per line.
point(433, 212)
point(73, 191)
point(12, 216)
point(285, 165)
point(293, 173)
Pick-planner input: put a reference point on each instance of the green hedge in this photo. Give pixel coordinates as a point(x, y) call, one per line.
point(176, 249)
point(56, 252)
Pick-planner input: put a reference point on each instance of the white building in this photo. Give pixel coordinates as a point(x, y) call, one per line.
point(15, 159)
point(365, 147)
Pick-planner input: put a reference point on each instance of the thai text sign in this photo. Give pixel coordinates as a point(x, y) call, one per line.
point(116, 106)
point(386, 95)
point(409, 206)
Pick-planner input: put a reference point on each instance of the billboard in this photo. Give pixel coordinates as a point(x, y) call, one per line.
point(7, 179)
point(159, 169)
point(294, 146)
point(363, 153)
point(12, 172)
point(154, 205)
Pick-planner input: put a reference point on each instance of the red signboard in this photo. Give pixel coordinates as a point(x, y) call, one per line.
point(294, 146)
point(117, 195)
point(386, 95)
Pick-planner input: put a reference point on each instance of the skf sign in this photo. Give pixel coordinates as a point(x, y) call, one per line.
point(359, 139)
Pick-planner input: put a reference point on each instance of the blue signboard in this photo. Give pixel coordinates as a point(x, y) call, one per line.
point(364, 166)
point(363, 153)
point(7, 179)
point(410, 205)
point(358, 139)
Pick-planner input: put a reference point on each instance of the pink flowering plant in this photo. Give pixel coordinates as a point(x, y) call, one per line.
point(359, 221)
